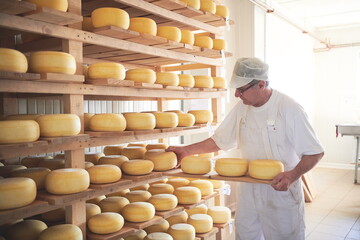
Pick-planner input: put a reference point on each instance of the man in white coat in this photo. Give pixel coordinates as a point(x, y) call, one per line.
point(265, 124)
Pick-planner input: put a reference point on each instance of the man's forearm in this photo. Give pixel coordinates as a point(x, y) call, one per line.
point(208, 145)
point(306, 164)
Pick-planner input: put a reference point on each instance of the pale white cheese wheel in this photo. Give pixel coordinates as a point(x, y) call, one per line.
point(38, 174)
point(16, 192)
point(27, 229)
point(59, 125)
point(219, 44)
point(162, 160)
point(219, 214)
point(137, 167)
point(116, 160)
point(203, 81)
point(182, 231)
point(108, 16)
point(219, 82)
point(202, 208)
point(208, 6)
point(113, 150)
point(19, 131)
point(202, 116)
point(166, 119)
point(163, 202)
point(222, 11)
point(193, 3)
point(158, 236)
point(62, 232)
point(113, 204)
point(91, 210)
point(186, 119)
point(187, 37)
point(231, 167)
point(67, 181)
point(93, 157)
point(169, 32)
point(143, 25)
point(178, 218)
point(187, 195)
point(167, 78)
point(265, 168)
point(52, 62)
point(178, 182)
point(201, 222)
point(141, 75)
point(206, 188)
point(140, 121)
point(196, 165)
point(156, 146)
point(160, 188)
point(106, 70)
point(12, 61)
point(107, 122)
point(162, 226)
point(138, 196)
point(138, 212)
point(105, 223)
point(203, 41)
point(186, 80)
point(134, 152)
point(61, 5)
point(104, 173)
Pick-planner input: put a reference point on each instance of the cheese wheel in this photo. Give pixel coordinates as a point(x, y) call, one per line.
point(182, 231)
point(202, 116)
point(201, 222)
point(193, 3)
point(30, 162)
point(137, 167)
point(106, 70)
point(160, 188)
point(144, 187)
point(196, 165)
point(187, 195)
point(52, 62)
point(108, 16)
point(187, 37)
point(219, 44)
point(200, 209)
point(120, 193)
point(163, 202)
point(91, 210)
point(23, 117)
point(203, 41)
point(105, 223)
point(93, 157)
point(167, 78)
point(67, 181)
point(104, 173)
point(19, 131)
point(12, 61)
point(186, 119)
point(162, 226)
point(113, 150)
point(222, 11)
point(143, 25)
point(178, 218)
point(113, 204)
point(27, 229)
point(169, 32)
point(62, 232)
point(134, 152)
point(186, 80)
point(209, 154)
point(140, 121)
point(166, 119)
point(158, 236)
point(88, 165)
point(203, 82)
point(137, 145)
point(141, 75)
point(38, 174)
point(138, 212)
point(138, 196)
point(56, 215)
point(52, 164)
point(219, 82)
point(231, 167)
point(206, 188)
point(116, 160)
point(16, 192)
point(156, 146)
point(265, 168)
point(162, 160)
point(208, 6)
point(107, 122)
point(217, 183)
point(139, 235)
point(59, 125)
point(87, 117)
point(6, 171)
point(178, 182)
point(87, 24)
point(219, 214)
point(61, 5)
point(163, 180)
point(96, 200)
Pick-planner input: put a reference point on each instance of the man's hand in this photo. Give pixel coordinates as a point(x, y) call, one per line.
point(283, 181)
point(180, 153)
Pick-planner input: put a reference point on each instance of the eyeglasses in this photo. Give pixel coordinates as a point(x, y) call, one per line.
point(242, 90)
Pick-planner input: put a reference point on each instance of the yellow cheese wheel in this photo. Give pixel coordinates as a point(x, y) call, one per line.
point(219, 214)
point(104, 173)
point(137, 167)
point(143, 25)
point(166, 119)
point(56, 215)
point(200, 209)
point(162, 226)
point(96, 200)
point(231, 167)
point(30, 162)
point(27, 229)
point(144, 187)
point(139, 235)
point(106, 70)
point(222, 11)
point(108, 16)
point(163, 180)
point(202, 116)
point(59, 125)
point(113, 150)
point(87, 24)
point(160, 188)
point(62, 232)
point(19, 131)
point(169, 32)
point(156, 146)
point(87, 117)
point(178, 182)
point(134, 152)
point(203, 82)
point(186, 80)
point(193, 3)
point(167, 78)
point(107, 122)
point(178, 218)
point(91, 210)
point(163, 202)
point(12, 61)
point(113, 204)
point(16, 192)
point(105, 223)
point(138, 212)
point(61, 5)
point(209, 154)
point(23, 117)
point(188, 195)
point(217, 183)
point(162, 160)
point(219, 82)
point(37, 174)
point(265, 168)
point(52, 62)
point(88, 165)
point(203, 41)
point(6, 171)
point(186, 119)
point(138, 196)
point(208, 6)
point(187, 37)
point(158, 236)
point(52, 164)
point(182, 231)
point(219, 44)
point(137, 145)
point(201, 222)
point(206, 188)
point(140, 121)
point(116, 160)
point(196, 165)
point(141, 75)
point(120, 193)
point(93, 157)
point(67, 181)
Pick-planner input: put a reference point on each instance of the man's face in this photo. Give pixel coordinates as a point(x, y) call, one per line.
point(248, 93)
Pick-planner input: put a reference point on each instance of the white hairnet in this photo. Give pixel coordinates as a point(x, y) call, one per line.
point(248, 69)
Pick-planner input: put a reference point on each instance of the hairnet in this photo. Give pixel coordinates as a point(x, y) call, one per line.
point(248, 69)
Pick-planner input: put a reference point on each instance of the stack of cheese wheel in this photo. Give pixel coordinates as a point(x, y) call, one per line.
point(142, 75)
point(61, 5)
point(140, 121)
point(93, 157)
point(206, 188)
point(12, 61)
point(67, 181)
point(169, 32)
point(107, 122)
point(116, 160)
point(113, 204)
point(201, 222)
point(59, 125)
point(219, 214)
point(138, 212)
point(178, 218)
point(196, 165)
point(62, 232)
point(156, 146)
point(231, 167)
point(87, 117)
point(187, 37)
point(203, 41)
point(105, 223)
point(138, 235)
point(182, 231)
point(27, 229)
point(53, 216)
point(23, 117)
point(19, 131)
point(265, 169)
point(143, 25)
point(113, 150)
point(203, 81)
point(96, 200)
point(166, 119)
point(38, 174)
point(52, 62)
point(52, 164)
point(16, 192)
point(144, 187)
point(208, 6)
point(202, 116)
point(91, 210)
point(163, 202)
point(186, 80)
point(158, 236)
point(105, 173)
point(222, 11)
point(178, 182)
point(137, 167)
point(187, 195)
point(87, 24)
point(219, 82)
point(162, 160)
point(160, 188)
point(202, 208)
point(162, 226)
point(167, 78)
point(193, 3)
point(138, 196)
point(134, 152)
point(30, 162)
point(102, 17)
point(186, 119)
point(106, 70)
point(6, 171)
point(219, 44)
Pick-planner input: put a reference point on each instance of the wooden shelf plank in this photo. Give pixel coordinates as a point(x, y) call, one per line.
point(116, 32)
point(223, 225)
point(142, 178)
point(124, 232)
point(19, 76)
point(68, 199)
point(66, 139)
point(63, 78)
point(240, 179)
point(109, 134)
point(113, 187)
point(110, 82)
point(142, 225)
point(207, 235)
point(54, 16)
point(179, 173)
point(190, 206)
point(166, 214)
point(16, 7)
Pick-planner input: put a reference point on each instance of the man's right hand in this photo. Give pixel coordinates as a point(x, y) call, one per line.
point(180, 153)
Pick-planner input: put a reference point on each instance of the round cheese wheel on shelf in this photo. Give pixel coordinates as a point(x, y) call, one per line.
point(265, 169)
point(113, 150)
point(30, 162)
point(222, 11)
point(113, 204)
point(141, 75)
point(12, 61)
point(138, 196)
point(23, 117)
point(104, 173)
point(163, 180)
point(169, 32)
point(178, 218)
point(139, 235)
point(231, 167)
point(38, 174)
point(156, 146)
point(186, 80)
point(217, 183)
point(163, 202)
point(202, 208)
point(137, 167)
point(93, 157)
point(138, 212)
point(178, 182)
point(116, 160)
point(16, 192)
point(160, 188)
point(203, 81)
point(27, 229)
point(106, 70)
point(208, 6)
point(144, 187)
point(108, 16)
point(61, 5)
point(202, 116)
point(196, 165)
point(162, 160)
point(186, 119)
point(219, 44)
point(120, 193)
point(134, 152)
point(219, 214)
point(96, 200)
point(91, 210)
point(219, 82)
point(201, 222)
point(88, 165)
point(19, 131)
point(5, 171)
point(52, 164)
point(167, 78)
point(87, 117)
point(67, 181)
point(187, 195)
point(166, 119)
point(107, 122)
point(53, 216)
point(52, 62)
point(209, 154)
point(158, 236)
point(59, 125)
point(143, 25)
point(62, 232)
point(105, 223)
point(182, 231)
point(137, 145)
point(87, 24)
point(162, 226)
point(206, 188)
point(140, 121)
point(187, 37)
point(193, 3)
point(203, 41)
